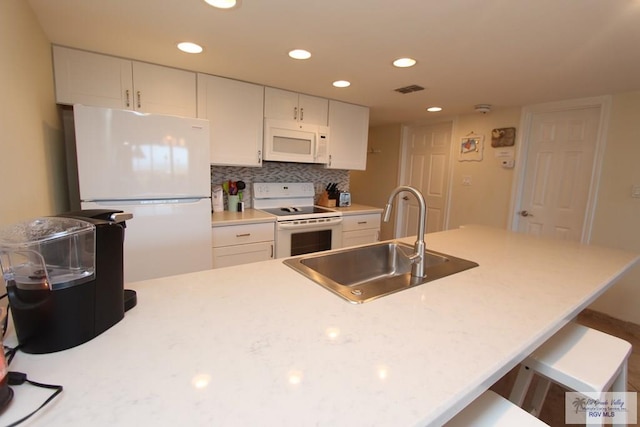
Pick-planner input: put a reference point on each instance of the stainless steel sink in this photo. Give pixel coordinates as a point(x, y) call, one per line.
point(363, 273)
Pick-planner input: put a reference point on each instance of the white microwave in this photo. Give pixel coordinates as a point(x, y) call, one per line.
point(289, 141)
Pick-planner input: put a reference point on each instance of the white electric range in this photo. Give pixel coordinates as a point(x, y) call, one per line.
point(301, 226)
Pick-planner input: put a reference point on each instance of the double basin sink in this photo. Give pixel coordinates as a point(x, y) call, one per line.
point(364, 273)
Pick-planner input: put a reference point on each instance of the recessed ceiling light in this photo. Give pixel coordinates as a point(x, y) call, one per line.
point(404, 62)
point(190, 47)
point(341, 83)
point(300, 54)
point(224, 4)
point(434, 109)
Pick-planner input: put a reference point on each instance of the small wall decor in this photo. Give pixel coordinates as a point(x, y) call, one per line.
point(471, 147)
point(503, 137)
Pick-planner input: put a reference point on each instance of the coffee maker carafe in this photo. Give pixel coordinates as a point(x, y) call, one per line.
point(64, 277)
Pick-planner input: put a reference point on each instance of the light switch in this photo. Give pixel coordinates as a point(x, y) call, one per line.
point(635, 191)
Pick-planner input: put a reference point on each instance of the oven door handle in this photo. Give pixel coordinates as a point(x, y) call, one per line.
point(285, 226)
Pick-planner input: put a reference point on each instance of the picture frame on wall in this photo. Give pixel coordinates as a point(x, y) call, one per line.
point(471, 147)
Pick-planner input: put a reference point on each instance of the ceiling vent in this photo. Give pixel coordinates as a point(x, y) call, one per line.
point(409, 89)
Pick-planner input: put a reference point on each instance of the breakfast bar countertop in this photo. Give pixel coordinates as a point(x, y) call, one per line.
point(261, 345)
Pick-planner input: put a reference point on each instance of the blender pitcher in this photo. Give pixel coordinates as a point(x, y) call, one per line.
point(46, 262)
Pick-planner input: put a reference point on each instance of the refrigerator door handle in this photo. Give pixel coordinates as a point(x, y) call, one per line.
point(112, 202)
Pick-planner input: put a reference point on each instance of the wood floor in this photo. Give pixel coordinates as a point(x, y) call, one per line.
point(554, 407)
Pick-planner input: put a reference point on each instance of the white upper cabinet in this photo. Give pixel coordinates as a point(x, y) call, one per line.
point(349, 132)
point(106, 81)
point(285, 105)
point(235, 113)
point(164, 90)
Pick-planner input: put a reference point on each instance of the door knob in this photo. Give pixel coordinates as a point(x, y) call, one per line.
point(524, 213)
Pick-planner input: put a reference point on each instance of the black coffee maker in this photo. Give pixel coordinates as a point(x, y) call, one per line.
point(64, 277)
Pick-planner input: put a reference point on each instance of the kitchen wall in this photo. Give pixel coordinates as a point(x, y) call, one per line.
point(486, 200)
point(617, 218)
point(32, 168)
point(280, 172)
point(373, 185)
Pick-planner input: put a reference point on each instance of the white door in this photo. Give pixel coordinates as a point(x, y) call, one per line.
point(235, 112)
point(426, 168)
point(127, 155)
point(560, 172)
point(164, 238)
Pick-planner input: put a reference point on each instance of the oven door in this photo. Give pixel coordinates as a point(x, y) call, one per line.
point(306, 236)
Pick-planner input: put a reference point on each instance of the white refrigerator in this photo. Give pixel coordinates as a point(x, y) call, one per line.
point(155, 167)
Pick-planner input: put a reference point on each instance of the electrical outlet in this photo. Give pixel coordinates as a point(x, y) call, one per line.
point(466, 180)
point(635, 191)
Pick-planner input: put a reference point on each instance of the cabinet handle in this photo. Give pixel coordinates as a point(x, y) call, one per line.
point(138, 94)
point(329, 159)
point(128, 98)
point(272, 252)
point(259, 156)
point(301, 114)
point(295, 113)
point(243, 235)
point(362, 222)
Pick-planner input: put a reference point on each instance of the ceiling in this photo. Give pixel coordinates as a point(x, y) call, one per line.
point(500, 52)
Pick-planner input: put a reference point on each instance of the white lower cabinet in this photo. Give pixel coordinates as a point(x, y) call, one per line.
point(360, 229)
point(242, 244)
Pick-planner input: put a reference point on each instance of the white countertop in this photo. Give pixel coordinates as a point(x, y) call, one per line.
point(260, 345)
point(357, 209)
point(224, 218)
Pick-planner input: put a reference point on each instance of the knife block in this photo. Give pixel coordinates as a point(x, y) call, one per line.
point(325, 201)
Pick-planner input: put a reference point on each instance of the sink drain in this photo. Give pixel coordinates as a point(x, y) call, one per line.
point(356, 292)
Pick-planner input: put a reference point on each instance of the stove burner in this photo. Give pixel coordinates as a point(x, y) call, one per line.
point(291, 209)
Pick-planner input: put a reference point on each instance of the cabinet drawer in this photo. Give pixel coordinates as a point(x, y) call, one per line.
point(242, 234)
point(360, 222)
point(242, 254)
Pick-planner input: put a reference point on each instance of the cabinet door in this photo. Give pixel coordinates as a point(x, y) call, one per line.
point(360, 237)
point(235, 113)
point(280, 104)
point(349, 131)
point(92, 79)
point(285, 105)
point(227, 256)
point(313, 110)
point(164, 90)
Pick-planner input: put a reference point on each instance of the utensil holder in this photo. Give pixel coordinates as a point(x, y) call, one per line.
point(232, 201)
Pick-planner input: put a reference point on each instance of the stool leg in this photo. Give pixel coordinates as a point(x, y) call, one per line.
point(620, 386)
point(521, 386)
point(597, 421)
point(539, 395)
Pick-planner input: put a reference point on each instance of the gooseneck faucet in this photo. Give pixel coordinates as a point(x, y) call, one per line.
point(417, 259)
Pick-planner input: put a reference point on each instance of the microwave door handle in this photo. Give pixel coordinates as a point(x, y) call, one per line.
point(316, 147)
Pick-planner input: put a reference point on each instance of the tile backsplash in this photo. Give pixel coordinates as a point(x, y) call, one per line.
point(280, 172)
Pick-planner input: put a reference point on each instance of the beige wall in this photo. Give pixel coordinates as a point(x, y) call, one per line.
point(373, 186)
point(617, 219)
point(31, 144)
point(486, 200)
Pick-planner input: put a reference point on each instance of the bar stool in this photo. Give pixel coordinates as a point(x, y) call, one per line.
point(578, 358)
point(492, 410)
